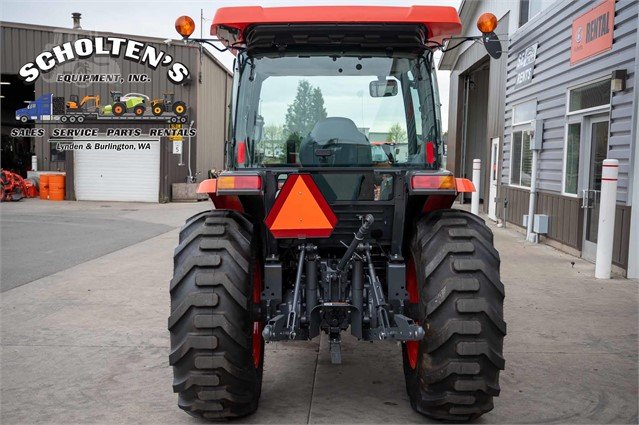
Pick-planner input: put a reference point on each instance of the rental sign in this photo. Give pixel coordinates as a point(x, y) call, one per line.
point(592, 32)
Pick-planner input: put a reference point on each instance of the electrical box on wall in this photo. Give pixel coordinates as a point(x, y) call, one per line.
point(537, 140)
point(540, 223)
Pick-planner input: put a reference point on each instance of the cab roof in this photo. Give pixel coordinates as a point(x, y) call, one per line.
point(230, 23)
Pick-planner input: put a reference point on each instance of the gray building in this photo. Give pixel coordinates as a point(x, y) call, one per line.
point(565, 85)
point(143, 175)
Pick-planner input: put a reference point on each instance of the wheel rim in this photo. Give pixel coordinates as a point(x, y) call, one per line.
point(179, 109)
point(118, 110)
point(412, 347)
point(257, 325)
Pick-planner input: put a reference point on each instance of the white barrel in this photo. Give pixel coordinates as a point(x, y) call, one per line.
point(34, 163)
point(474, 199)
point(606, 229)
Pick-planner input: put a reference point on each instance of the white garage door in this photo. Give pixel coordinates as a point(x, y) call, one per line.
point(117, 170)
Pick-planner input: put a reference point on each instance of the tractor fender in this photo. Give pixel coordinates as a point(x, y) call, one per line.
point(221, 202)
point(443, 202)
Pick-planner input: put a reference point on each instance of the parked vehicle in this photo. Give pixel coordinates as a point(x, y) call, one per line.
point(134, 102)
point(168, 103)
point(50, 108)
point(330, 239)
point(74, 104)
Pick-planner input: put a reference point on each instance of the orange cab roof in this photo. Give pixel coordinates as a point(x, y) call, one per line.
point(441, 21)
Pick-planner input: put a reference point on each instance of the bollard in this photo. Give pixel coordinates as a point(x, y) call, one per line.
point(607, 206)
point(474, 199)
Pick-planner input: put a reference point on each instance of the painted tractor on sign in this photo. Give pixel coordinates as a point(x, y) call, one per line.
point(310, 234)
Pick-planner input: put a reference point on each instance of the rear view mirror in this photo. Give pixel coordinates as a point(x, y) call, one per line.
point(383, 88)
point(492, 45)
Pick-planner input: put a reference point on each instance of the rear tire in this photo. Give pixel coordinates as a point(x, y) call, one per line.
point(179, 108)
point(453, 373)
point(216, 279)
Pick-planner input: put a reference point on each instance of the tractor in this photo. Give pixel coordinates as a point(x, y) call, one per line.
point(322, 239)
point(135, 102)
point(168, 103)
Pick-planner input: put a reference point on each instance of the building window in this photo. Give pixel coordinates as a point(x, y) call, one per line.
point(595, 95)
point(521, 160)
point(571, 168)
point(55, 154)
point(524, 113)
point(529, 8)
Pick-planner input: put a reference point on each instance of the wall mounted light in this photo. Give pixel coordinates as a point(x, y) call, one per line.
point(619, 80)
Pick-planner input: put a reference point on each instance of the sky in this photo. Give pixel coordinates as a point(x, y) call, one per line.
point(156, 18)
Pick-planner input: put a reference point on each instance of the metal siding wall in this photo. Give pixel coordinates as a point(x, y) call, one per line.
point(565, 223)
point(553, 74)
point(622, 236)
point(455, 113)
point(212, 103)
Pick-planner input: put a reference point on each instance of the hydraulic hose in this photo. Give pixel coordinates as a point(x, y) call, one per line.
point(359, 236)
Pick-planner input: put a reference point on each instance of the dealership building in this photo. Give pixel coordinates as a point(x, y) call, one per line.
point(562, 93)
point(140, 174)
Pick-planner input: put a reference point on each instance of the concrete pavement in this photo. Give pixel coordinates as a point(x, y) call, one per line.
point(88, 344)
point(39, 238)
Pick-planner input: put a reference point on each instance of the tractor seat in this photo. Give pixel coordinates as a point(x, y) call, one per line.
point(347, 145)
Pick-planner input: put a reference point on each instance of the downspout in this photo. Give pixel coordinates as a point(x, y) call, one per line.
point(535, 145)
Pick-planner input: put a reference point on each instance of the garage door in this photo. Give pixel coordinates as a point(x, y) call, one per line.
point(117, 170)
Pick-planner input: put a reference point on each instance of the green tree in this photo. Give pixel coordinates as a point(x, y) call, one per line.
point(273, 140)
point(396, 134)
point(306, 110)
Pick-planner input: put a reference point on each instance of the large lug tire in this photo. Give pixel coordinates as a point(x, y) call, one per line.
point(217, 350)
point(179, 108)
point(118, 109)
point(453, 280)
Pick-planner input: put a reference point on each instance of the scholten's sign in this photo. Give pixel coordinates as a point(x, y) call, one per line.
point(592, 32)
point(113, 47)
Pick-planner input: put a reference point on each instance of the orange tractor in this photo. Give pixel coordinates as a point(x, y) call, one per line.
point(325, 239)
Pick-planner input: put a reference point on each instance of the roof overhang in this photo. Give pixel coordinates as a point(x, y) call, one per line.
point(230, 23)
point(466, 12)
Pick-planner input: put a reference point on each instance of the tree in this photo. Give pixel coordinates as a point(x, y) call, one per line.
point(396, 134)
point(273, 140)
point(305, 111)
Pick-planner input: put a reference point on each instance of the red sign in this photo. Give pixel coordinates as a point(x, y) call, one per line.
point(300, 210)
point(592, 32)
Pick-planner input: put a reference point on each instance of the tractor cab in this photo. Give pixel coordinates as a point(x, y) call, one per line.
point(115, 95)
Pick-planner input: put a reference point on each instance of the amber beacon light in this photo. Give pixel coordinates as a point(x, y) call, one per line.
point(185, 26)
point(486, 23)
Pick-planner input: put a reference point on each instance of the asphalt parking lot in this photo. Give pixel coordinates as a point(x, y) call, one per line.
point(84, 339)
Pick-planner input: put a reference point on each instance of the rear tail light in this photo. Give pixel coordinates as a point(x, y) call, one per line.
point(430, 152)
point(433, 182)
point(241, 153)
point(242, 183)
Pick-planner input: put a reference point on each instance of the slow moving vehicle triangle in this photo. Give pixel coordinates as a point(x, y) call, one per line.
point(300, 210)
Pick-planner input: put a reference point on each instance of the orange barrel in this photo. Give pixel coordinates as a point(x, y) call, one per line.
point(44, 186)
point(56, 187)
